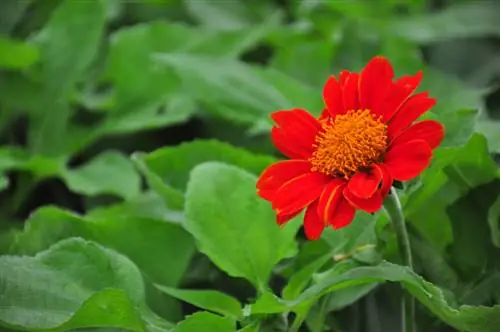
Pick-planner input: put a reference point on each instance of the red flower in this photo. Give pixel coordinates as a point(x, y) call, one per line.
point(348, 158)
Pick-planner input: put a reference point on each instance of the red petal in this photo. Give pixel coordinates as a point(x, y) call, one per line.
point(370, 205)
point(365, 184)
point(429, 130)
point(350, 92)
point(399, 93)
point(282, 219)
point(344, 75)
point(287, 146)
point(313, 226)
point(278, 173)
point(299, 192)
point(325, 114)
point(332, 95)
point(410, 111)
point(375, 82)
point(386, 180)
point(344, 214)
point(295, 132)
point(406, 161)
point(329, 199)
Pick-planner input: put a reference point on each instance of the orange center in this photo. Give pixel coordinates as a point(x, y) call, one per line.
point(349, 143)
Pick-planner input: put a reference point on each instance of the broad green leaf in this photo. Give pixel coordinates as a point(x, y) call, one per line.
point(12, 158)
point(73, 284)
point(205, 321)
point(226, 221)
point(466, 20)
point(145, 241)
point(226, 85)
point(227, 15)
point(301, 278)
point(15, 54)
point(494, 222)
point(68, 44)
point(359, 235)
point(207, 299)
point(463, 318)
point(489, 128)
point(108, 173)
point(140, 82)
point(148, 205)
point(171, 196)
point(309, 61)
point(173, 164)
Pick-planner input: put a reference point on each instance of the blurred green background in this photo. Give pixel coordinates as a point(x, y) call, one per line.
point(86, 84)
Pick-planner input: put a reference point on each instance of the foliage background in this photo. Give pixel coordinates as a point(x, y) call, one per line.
point(132, 133)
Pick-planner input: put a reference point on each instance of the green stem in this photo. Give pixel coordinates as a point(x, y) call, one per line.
point(393, 207)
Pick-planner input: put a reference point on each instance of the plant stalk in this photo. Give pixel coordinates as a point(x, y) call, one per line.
point(393, 207)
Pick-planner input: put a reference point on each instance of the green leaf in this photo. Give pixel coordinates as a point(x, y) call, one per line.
point(108, 173)
point(145, 241)
point(205, 321)
point(207, 299)
point(489, 128)
point(68, 44)
point(300, 279)
point(140, 82)
point(452, 173)
point(74, 284)
point(494, 222)
point(227, 15)
point(173, 164)
point(465, 20)
point(226, 221)
point(226, 85)
point(306, 60)
point(16, 54)
point(464, 318)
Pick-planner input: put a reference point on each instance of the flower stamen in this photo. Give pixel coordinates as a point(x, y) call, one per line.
point(349, 143)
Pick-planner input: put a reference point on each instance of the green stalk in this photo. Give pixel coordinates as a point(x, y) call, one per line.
point(393, 207)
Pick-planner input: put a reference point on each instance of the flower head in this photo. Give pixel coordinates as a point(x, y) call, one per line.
point(347, 158)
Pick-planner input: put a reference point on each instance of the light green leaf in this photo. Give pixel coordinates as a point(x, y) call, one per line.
point(140, 82)
point(173, 164)
point(207, 299)
point(226, 84)
point(73, 284)
point(108, 173)
point(68, 44)
point(145, 241)
point(227, 15)
point(204, 321)
point(465, 20)
point(16, 54)
point(464, 318)
point(489, 128)
point(226, 221)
